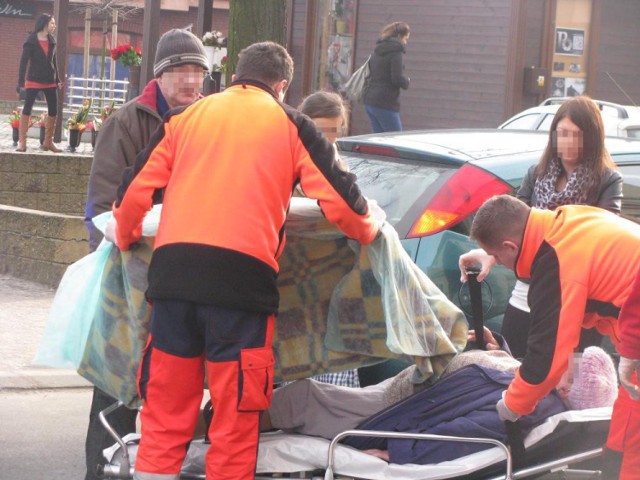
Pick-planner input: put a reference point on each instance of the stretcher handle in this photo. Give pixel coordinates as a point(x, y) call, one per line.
point(414, 436)
point(475, 294)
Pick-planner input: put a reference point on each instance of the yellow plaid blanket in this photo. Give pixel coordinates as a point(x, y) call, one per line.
point(341, 307)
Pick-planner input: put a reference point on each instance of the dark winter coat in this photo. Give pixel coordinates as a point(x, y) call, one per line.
point(387, 75)
point(463, 404)
point(42, 68)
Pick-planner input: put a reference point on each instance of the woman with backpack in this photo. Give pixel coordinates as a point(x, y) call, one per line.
point(381, 98)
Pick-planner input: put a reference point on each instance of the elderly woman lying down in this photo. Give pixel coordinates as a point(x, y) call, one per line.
point(462, 402)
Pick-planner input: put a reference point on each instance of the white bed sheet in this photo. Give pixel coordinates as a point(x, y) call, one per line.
point(286, 453)
point(292, 453)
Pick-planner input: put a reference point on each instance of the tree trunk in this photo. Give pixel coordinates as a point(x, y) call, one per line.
point(251, 22)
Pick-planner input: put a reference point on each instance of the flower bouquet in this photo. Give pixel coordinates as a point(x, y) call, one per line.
point(42, 119)
point(103, 114)
point(14, 119)
point(215, 39)
point(127, 54)
point(222, 67)
point(78, 120)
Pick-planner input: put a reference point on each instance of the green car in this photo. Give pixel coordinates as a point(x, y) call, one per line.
point(431, 183)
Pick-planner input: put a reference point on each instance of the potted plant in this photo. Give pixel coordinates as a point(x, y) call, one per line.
point(41, 121)
point(131, 58)
point(14, 121)
point(98, 121)
point(77, 124)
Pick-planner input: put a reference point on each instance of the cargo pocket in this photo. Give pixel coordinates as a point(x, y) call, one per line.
point(256, 379)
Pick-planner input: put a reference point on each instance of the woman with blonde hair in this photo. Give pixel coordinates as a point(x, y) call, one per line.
point(381, 98)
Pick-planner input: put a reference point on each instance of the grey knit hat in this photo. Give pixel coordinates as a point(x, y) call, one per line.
point(179, 47)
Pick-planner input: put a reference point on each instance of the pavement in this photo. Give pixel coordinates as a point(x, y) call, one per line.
point(33, 142)
point(24, 309)
point(24, 305)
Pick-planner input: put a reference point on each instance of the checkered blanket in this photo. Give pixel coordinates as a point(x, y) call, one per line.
point(341, 307)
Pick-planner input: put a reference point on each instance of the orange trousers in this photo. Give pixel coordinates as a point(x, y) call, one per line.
point(237, 349)
point(624, 434)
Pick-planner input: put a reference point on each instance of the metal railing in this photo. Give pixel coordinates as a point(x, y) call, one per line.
point(102, 91)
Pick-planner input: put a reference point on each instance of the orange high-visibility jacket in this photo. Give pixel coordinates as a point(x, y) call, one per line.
point(582, 262)
point(229, 163)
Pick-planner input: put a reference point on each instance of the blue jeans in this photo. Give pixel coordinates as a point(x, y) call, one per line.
point(383, 120)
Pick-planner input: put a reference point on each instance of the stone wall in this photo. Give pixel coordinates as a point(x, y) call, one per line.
point(42, 199)
point(39, 246)
point(53, 183)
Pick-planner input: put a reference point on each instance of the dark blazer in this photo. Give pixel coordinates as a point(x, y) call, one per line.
point(42, 69)
point(387, 75)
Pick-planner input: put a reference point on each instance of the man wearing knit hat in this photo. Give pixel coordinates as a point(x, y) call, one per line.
point(178, 70)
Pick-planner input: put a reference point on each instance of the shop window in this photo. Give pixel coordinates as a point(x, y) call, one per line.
point(332, 65)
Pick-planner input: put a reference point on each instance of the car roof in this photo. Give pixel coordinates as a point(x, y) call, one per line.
point(613, 114)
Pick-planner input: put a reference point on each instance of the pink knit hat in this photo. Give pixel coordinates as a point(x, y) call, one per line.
point(595, 383)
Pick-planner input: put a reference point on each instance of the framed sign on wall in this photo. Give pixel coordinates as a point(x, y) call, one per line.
point(569, 41)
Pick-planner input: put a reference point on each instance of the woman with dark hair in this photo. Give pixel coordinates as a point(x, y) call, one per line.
point(575, 169)
point(381, 98)
point(38, 64)
point(327, 111)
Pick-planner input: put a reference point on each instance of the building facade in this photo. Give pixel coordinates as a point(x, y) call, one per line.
point(18, 17)
point(470, 61)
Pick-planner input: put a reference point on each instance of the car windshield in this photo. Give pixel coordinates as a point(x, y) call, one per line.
point(395, 184)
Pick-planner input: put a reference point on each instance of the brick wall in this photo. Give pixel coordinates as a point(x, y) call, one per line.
point(15, 31)
point(51, 183)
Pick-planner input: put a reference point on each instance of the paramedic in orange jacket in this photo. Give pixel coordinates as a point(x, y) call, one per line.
point(229, 164)
point(582, 263)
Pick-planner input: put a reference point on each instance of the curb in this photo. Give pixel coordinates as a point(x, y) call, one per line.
point(42, 378)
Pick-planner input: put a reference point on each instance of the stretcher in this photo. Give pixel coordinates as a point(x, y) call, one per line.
point(562, 441)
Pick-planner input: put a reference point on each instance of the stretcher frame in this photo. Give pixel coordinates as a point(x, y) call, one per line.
point(124, 470)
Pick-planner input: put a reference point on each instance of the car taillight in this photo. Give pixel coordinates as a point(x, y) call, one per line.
point(458, 198)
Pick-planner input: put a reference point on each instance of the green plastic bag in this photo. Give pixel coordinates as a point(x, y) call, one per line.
point(72, 311)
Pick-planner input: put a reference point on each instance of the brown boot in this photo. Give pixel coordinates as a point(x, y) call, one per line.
point(22, 139)
point(49, 126)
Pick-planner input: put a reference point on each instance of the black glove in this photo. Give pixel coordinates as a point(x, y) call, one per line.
point(18, 89)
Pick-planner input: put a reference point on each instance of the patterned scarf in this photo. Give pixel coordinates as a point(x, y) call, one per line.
point(575, 191)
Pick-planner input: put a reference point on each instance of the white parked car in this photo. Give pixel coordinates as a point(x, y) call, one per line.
point(619, 120)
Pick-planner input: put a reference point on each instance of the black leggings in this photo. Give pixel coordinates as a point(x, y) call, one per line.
point(51, 94)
